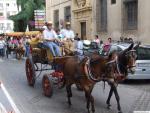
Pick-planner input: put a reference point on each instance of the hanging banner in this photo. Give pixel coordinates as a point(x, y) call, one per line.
point(39, 17)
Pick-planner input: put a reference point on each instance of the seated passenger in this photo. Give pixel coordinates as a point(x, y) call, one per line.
point(68, 39)
point(59, 35)
point(50, 39)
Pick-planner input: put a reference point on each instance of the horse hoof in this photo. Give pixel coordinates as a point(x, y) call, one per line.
point(93, 111)
point(119, 111)
point(108, 106)
point(69, 103)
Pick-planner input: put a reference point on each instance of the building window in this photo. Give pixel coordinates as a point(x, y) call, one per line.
point(1, 6)
point(13, 13)
point(1, 26)
point(8, 26)
point(103, 18)
point(113, 1)
point(14, 4)
point(1, 14)
point(7, 4)
point(131, 14)
point(8, 14)
point(56, 19)
point(67, 14)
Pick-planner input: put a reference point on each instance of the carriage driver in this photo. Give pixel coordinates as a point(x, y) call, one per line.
point(50, 39)
point(68, 37)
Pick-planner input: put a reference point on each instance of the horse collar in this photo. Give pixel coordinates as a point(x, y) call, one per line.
point(88, 72)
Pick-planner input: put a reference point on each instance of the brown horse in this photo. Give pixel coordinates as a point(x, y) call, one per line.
point(19, 52)
point(76, 73)
point(90, 71)
point(125, 63)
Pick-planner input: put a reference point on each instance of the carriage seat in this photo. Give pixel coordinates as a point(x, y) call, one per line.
point(41, 45)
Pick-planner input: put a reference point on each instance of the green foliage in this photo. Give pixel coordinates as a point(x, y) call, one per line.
point(27, 14)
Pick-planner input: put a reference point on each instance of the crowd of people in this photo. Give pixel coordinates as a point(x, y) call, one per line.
point(53, 39)
point(66, 36)
point(8, 44)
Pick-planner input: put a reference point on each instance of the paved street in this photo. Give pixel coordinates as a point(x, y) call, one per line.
point(134, 96)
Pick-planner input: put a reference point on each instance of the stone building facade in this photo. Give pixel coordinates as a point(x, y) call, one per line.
point(78, 12)
point(107, 18)
point(82, 18)
point(58, 11)
point(7, 8)
point(127, 18)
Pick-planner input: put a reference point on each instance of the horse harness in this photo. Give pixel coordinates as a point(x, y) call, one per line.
point(109, 73)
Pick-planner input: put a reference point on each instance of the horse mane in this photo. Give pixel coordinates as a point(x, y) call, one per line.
point(61, 60)
point(95, 59)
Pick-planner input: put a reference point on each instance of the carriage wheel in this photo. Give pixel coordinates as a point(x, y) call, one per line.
point(30, 71)
point(47, 86)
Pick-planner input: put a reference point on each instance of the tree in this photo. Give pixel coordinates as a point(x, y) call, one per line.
point(27, 13)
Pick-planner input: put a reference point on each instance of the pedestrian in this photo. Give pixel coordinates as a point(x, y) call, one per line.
point(27, 49)
point(50, 37)
point(76, 36)
point(79, 48)
point(131, 40)
point(101, 47)
point(107, 46)
point(97, 40)
point(2, 47)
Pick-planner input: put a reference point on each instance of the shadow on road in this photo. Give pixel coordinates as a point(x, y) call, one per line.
point(137, 82)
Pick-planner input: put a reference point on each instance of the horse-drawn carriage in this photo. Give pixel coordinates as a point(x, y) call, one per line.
point(41, 59)
point(84, 74)
point(14, 45)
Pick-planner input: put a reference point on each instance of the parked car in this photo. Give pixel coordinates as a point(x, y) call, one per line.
point(142, 70)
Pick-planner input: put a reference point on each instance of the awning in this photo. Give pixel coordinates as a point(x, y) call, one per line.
point(32, 33)
point(17, 34)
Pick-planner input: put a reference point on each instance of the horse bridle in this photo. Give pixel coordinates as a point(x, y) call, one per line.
point(124, 67)
point(127, 53)
point(89, 74)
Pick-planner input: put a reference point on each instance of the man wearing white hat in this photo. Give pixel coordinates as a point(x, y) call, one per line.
point(69, 37)
point(50, 37)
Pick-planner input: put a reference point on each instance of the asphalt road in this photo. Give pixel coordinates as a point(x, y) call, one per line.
point(133, 95)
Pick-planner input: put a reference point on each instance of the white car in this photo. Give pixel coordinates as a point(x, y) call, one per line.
point(142, 70)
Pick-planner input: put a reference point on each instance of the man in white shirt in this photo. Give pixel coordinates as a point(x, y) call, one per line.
point(68, 37)
point(79, 46)
point(50, 37)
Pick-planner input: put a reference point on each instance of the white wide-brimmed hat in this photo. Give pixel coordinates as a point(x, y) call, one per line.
point(49, 23)
point(86, 44)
